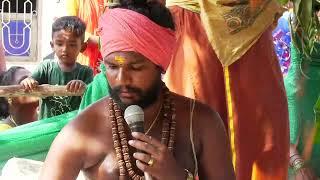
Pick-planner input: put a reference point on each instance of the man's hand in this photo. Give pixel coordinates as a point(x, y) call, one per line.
point(75, 86)
point(159, 161)
point(29, 84)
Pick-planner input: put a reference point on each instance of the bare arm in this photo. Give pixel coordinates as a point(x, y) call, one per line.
point(215, 159)
point(65, 157)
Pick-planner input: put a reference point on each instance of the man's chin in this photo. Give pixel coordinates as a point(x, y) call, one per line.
point(124, 103)
point(128, 101)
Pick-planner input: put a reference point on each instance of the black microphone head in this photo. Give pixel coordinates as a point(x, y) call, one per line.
point(134, 117)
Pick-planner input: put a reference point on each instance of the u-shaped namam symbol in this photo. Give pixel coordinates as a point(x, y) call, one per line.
point(18, 39)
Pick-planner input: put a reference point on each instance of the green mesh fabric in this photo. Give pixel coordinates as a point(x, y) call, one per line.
point(33, 140)
point(303, 87)
point(96, 90)
point(315, 162)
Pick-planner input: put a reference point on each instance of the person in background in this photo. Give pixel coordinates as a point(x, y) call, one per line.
point(89, 11)
point(225, 58)
point(67, 42)
point(282, 40)
point(302, 89)
point(16, 111)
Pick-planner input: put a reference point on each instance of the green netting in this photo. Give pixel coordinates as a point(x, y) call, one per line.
point(316, 151)
point(33, 140)
point(303, 88)
point(95, 90)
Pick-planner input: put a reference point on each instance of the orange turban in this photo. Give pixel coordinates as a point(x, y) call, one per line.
point(126, 30)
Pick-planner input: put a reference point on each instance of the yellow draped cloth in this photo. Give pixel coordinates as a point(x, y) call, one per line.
point(4, 127)
point(232, 26)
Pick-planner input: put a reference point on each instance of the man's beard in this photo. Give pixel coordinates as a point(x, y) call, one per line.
point(145, 98)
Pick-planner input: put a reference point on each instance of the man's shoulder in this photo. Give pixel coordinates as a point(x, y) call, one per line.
point(188, 103)
point(90, 121)
point(201, 113)
point(88, 129)
point(94, 113)
point(97, 108)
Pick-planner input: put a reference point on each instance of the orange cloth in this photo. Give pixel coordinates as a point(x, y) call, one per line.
point(259, 105)
point(89, 11)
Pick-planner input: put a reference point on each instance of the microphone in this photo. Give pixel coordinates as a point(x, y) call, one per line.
point(134, 117)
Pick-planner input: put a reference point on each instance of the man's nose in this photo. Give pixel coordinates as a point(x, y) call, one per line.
point(124, 77)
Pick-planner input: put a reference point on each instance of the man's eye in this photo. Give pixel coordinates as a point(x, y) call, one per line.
point(136, 67)
point(111, 66)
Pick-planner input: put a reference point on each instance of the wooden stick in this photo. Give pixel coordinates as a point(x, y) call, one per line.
point(44, 90)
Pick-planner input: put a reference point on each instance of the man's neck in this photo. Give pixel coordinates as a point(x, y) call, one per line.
point(150, 113)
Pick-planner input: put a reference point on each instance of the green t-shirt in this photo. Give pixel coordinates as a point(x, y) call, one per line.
point(49, 72)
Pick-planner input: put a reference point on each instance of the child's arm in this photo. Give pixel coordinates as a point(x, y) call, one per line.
point(29, 83)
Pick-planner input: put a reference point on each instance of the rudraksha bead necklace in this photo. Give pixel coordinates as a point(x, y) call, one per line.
point(120, 140)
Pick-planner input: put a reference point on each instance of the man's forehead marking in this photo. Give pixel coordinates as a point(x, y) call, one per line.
point(120, 59)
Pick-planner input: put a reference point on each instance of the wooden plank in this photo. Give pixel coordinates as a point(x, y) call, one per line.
point(44, 90)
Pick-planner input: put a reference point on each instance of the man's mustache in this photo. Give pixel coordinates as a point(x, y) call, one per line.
point(129, 89)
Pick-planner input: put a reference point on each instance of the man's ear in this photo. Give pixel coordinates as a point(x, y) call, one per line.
point(84, 47)
point(51, 44)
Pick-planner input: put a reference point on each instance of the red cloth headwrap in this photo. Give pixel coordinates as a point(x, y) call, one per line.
point(126, 30)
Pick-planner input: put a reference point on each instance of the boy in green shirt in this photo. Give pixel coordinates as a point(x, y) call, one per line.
point(67, 42)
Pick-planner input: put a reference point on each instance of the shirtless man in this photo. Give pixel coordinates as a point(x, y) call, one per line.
point(137, 49)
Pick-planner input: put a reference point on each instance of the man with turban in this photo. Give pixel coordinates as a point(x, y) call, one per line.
point(137, 41)
point(225, 59)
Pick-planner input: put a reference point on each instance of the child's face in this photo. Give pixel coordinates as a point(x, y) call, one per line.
point(66, 46)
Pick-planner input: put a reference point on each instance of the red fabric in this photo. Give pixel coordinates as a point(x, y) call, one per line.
point(89, 12)
point(92, 51)
point(261, 113)
point(259, 101)
point(126, 30)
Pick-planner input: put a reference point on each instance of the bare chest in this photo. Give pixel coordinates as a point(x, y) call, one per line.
point(107, 166)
